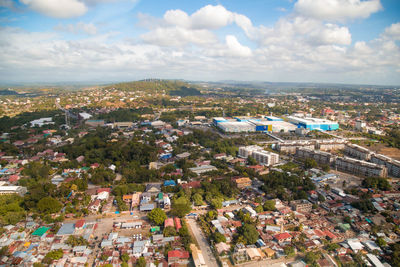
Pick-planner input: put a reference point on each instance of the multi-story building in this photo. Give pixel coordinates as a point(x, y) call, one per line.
point(357, 151)
point(393, 166)
point(301, 205)
point(318, 156)
point(290, 147)
point(261, 156)
point(360, 125)
point(243, 182)
point(330, 144)
point(360, 167)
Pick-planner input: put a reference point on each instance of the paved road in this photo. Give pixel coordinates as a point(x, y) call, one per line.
point(204, 246)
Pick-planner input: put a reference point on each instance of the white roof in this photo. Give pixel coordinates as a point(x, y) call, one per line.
point(355, 244)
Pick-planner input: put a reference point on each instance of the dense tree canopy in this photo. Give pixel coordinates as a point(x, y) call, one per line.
point(49, 205)
point(157, 216)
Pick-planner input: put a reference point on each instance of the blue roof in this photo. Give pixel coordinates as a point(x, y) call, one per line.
point(169, 183)
point(66, 229)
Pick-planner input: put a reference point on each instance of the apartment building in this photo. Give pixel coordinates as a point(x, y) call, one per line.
point(290, 147)
point(393, 166)
point(301, 205)
point(330, 144)
point(319, 156)
point(357, 151)
point(261, 156)
point(360, 167)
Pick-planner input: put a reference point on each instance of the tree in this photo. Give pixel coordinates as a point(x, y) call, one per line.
point(169, 231)
point(216, 203)
point(181, 206)
point(74, 241)
point(141, 262)
point(269, 205)
point(332, 247)
point(49, 205)
point(125, 257)
point(289, 251)
point(53, 255)
point(311, 257)
point(218, 237)
point(381, 242)
point(250, 233)
point(198, 199)
point(251, 161)
point(259, 209)
point(310, 163)
point(157, 216)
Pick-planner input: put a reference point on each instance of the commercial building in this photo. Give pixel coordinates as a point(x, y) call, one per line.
point(393, 166)
point(202, 169)
point(314, 123)
point(94, 123)
point(6, 190)
point(246, 124)
point(360, 167)
point(318, 156)
point(236, 126)
point(357, 151)
point(261, 156)
point(272, 118)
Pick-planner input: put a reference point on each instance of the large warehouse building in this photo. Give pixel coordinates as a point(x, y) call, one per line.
point(242, 124)
point(314, 123)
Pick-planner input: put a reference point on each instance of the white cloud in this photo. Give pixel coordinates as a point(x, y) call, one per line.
point(211, 17)
point(57, 9)
point(179, 45)
point(178, 36)
point(235, 48)
point(337, 10)
point(78, 28)
point(393, 32)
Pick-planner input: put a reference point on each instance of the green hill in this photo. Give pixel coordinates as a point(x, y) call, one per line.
point(171, 87)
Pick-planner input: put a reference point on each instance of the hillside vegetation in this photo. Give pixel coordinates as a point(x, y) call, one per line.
point(171, 87)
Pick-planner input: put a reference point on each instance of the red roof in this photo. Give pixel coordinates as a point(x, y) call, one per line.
point(319, 233)
point(169, 222)
point(103, 190)
point(282, 236)
point(329, 234)
point(13, 178)
point(177, 223)
point(178, 254)
point(80, 223)
point(194, 184)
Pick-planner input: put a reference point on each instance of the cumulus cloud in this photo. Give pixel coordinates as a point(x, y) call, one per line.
point(178, 36)
point(337, 10)
point(78, 28)
point(393, 32)
point(182, 45)
point(57, 9)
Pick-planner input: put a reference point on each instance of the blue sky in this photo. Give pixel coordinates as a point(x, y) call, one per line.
point(343, 41)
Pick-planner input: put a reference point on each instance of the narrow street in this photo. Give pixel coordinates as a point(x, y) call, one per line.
point(203, 244)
